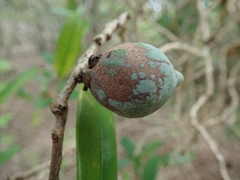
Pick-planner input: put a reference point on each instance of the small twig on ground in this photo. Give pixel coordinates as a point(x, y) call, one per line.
point(31, 172)
point(210, 141)
point(59, 106)
point(35, 170)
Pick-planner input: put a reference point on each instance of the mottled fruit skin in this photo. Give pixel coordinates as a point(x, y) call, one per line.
point(133, 79)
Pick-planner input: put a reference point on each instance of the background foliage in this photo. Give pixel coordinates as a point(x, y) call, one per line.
point(164, 145)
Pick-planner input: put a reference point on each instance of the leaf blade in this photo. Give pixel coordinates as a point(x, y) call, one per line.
point(95, 140)
point(16, 84)
point(128, 146)
point(151, 168)
point(68, 45)
point(8, 153)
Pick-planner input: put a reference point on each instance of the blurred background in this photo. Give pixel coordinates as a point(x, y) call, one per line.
point(195, 135)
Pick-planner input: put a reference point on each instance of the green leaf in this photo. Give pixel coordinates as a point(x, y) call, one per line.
point(74, 95)
point(72, 5)
point(69, 44)
point(48, 57)
point(95, 140)
point(16, 84)
point(23, 93)
point(122, 163)
point(42, 102)
point(36, 116)
point(126, 176)
point(2, 85)
point(151, 168)
point(7, 140)
point(164, 160)
point(151, 146)
point(8, 153)
point(166, 20)
point(182, 158)
point(5, 66)
point(128, 146)
point(5, 119)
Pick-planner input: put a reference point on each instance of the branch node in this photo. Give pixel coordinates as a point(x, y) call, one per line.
point(54, 135)
point(79, 77)
point(108, 36)
point(98, 40)
point(58, 108)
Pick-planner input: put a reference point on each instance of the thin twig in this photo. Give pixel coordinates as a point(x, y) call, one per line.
point(228, 115)
point(181, 46)
point(59, 106)
point(233, 8)
point(136, 7)
point(159, 28)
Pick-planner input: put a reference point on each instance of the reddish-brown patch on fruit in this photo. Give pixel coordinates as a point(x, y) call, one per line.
point(120, 86)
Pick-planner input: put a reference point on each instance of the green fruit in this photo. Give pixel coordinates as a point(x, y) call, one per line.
point(133, 79)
